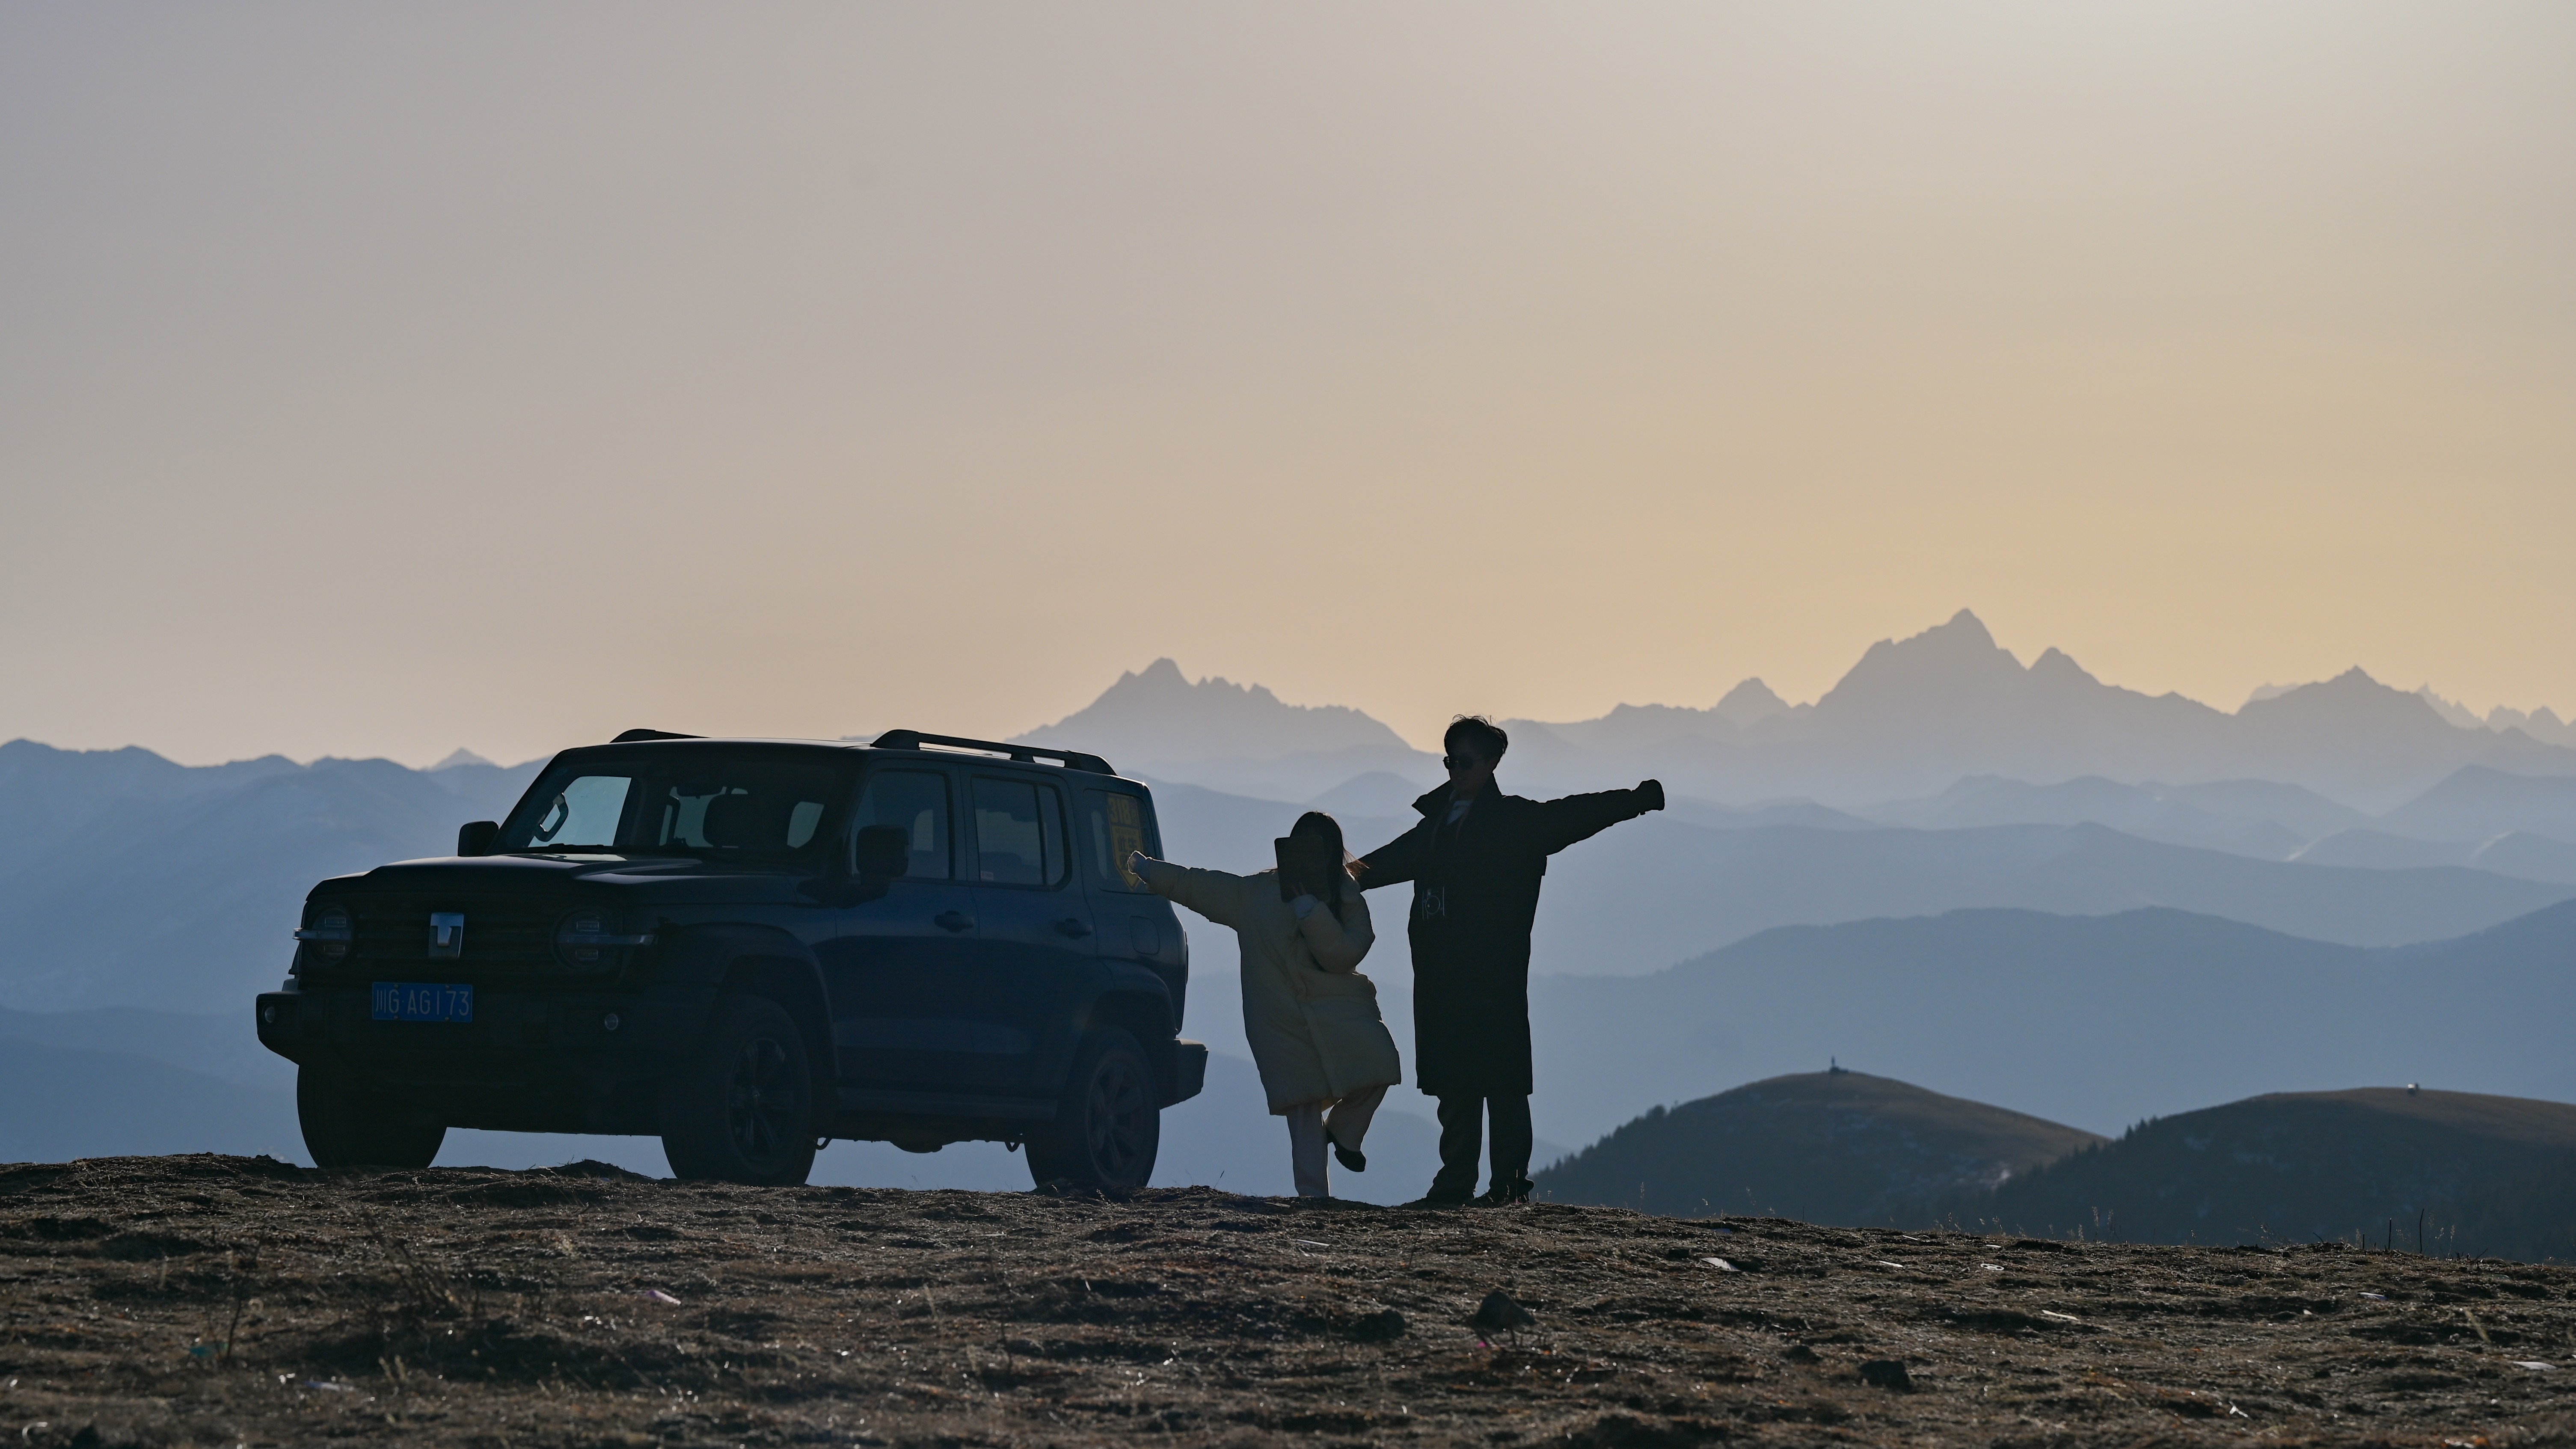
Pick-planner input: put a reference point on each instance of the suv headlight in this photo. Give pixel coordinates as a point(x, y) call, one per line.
point(333, 931)
point(587, 940)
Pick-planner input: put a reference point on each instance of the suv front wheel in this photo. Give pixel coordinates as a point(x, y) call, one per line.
point(1106, 1125)
point(345, 1125)
point(743, 1111)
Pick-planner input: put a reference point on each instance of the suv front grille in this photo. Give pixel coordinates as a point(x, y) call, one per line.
point(503, 933)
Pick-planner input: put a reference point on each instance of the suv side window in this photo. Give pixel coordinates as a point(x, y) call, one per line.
point(915, 802)
point(1019, 832)
point(1113, 824)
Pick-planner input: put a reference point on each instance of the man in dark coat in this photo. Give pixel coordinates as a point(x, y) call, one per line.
point(1475, 863)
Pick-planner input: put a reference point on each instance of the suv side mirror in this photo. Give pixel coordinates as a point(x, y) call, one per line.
point(884, 852)
point(475, 837)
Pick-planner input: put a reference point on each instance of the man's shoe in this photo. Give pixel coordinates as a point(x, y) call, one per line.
point(1438, 1199)
point(1506, 1194)
point(1350, 1157)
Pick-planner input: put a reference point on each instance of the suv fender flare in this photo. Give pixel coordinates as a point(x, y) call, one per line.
point(760, 961)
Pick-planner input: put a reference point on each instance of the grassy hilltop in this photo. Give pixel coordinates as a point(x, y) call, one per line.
point(228, 1300)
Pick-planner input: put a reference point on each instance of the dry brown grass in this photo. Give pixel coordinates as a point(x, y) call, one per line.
point(486, 1308)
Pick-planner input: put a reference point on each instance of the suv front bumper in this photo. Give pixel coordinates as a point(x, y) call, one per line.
point(530, 1060)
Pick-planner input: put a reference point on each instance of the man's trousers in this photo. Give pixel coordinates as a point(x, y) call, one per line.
point(1462, 1121)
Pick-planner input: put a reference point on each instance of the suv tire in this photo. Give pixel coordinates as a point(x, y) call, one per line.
point(743, 1110)
point(1106, 1126)
point(346, 1125)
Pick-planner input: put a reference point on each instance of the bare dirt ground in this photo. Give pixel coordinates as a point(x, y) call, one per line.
point(240, 1301)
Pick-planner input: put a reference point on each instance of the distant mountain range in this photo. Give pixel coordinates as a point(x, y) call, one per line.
point(2096, 1021)
point(1908, 721)
point(1666, 887)
point(1915, 715)
point(126, 879)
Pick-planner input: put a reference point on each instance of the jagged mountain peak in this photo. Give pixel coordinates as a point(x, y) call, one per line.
point(1161, 684)
point(2451, 709)
point(1157, 717)
point(2056, 663)
point(1750, 701)
point(2353, 687)
point(1944, 667)
point(1964, 637)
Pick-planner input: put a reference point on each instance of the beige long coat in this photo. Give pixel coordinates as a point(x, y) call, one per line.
point(1310, 1015)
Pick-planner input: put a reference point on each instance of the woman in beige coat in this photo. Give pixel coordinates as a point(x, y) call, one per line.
point(1310, 1015)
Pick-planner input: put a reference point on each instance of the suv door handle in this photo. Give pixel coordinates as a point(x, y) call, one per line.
point(1072, 926)
point(953, 921)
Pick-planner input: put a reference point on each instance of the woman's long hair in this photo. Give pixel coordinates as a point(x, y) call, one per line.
point(1322, 834)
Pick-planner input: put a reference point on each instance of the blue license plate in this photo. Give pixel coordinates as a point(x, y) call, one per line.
point(423, 1001)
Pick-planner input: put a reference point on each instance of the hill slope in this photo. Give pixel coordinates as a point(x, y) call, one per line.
point(1837, 1147)
point(2531, 1216)
point(2294, 1167)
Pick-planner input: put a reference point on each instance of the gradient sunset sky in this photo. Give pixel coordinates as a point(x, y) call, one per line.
point(381, 379)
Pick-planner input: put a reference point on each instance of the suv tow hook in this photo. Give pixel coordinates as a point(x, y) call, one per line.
point(1072, 926)
point(953, 921)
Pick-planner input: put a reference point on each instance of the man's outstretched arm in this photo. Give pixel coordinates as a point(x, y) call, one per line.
point(1562, 822)
point(1397, 861)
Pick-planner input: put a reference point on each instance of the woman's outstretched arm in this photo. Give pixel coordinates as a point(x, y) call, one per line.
point(1212, 893)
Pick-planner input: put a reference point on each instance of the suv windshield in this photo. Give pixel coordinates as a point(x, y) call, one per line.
point(690, 802)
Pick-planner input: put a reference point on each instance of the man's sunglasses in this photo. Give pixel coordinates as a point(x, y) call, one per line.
point(1460, 762)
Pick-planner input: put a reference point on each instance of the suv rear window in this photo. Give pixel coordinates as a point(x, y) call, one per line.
point(697, 804)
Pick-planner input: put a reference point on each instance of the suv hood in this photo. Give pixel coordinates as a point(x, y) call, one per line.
point(657, 878)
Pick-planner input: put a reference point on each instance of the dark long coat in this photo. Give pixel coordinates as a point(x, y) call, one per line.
point(1475, 894)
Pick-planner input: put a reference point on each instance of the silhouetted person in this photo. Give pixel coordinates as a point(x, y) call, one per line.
point(1309, 1014)
point(1475, 863)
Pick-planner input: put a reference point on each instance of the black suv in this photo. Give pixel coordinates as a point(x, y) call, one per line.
point(750, 947)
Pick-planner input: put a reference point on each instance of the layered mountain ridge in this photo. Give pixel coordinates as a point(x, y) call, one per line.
point(1912, 718)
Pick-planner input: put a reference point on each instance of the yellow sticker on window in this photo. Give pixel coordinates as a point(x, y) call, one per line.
point(1126, 834)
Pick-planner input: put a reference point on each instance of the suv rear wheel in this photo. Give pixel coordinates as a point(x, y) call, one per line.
point(744, 1110)
point(346, 1125)
point(1106, 1125)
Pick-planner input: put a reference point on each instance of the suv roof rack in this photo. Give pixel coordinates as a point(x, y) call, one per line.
point(1026, 754)
point(629, 737)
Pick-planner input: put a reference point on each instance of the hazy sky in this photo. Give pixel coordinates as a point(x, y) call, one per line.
point(381, 379)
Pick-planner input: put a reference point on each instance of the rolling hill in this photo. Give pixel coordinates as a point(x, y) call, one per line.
point(2292, 1167)
point(1838, 1147)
